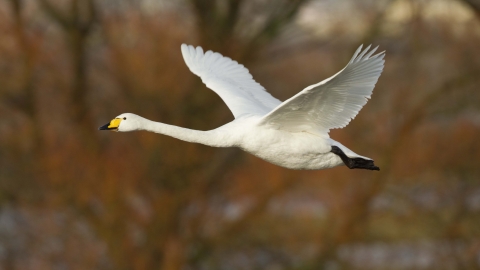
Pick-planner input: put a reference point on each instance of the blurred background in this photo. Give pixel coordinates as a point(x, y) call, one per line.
point(72, 197)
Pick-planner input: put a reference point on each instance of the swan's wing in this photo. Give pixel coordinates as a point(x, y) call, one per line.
point(333, 102)
point(230, 80)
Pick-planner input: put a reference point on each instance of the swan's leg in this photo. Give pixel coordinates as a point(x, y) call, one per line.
point(354, 163)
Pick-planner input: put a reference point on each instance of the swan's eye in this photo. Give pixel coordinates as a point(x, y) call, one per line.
point(124, 118)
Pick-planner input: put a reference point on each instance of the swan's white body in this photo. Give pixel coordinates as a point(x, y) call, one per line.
point(292, 134)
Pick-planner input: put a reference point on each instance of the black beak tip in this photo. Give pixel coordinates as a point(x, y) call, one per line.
point(104, 127)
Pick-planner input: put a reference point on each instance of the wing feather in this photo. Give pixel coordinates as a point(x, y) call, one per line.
point(332, 103)
point(230, 80)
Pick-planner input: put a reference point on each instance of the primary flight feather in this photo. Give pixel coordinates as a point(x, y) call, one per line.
point(293, 133)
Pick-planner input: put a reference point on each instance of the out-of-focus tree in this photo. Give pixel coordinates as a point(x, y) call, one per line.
point(241, 27)
point(474, 4)
point(99, 200)
point(77, 23)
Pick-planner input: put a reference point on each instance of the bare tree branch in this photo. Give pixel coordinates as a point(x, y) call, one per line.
point(475, 5)
point(77, 24)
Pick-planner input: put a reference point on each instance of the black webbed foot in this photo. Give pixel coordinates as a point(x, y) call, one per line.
point(354, 163)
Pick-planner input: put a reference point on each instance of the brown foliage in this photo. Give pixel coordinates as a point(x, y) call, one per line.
point(77, 198)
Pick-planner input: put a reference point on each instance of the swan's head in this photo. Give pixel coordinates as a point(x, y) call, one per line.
point(123, 123)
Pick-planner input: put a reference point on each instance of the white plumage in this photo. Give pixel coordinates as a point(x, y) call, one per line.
point(292, 134)
point(333, 102)
point(230, 80)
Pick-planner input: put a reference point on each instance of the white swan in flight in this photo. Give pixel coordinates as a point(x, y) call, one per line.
point(291, 134)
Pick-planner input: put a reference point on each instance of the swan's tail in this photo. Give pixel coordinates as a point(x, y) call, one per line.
point(354, 162)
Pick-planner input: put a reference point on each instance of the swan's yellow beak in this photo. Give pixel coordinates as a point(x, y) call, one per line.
point(113, 125)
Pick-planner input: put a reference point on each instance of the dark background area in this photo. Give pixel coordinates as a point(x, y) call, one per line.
point(72, 197)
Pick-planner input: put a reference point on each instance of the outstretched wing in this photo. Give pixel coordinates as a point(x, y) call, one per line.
point(230, 80)
point(333, 102)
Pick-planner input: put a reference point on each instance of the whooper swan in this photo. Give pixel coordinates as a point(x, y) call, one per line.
point(291, 134)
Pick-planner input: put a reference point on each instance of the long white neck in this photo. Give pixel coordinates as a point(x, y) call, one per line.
point(210, 138)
